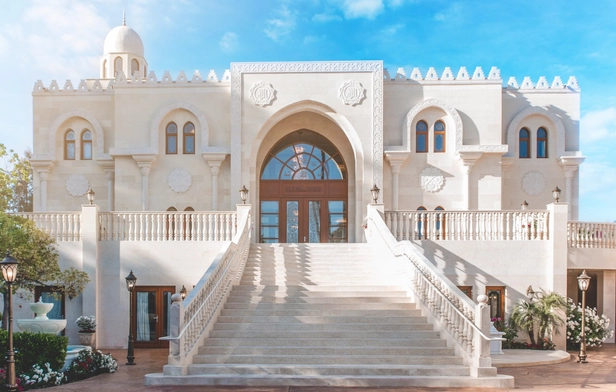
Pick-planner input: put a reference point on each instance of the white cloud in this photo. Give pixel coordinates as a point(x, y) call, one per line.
point(282, 24)
point(325, 17)
point(392, 29)
point(598, 125)
point(354, 9)
point(228, 42)
point(451, 13)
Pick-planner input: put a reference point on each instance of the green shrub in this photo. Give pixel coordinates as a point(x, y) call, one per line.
point(34, 348)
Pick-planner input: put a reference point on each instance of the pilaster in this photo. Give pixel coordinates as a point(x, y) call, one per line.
point(396, 160)
point(468, 159)
point(214, 160)
point(145, 164)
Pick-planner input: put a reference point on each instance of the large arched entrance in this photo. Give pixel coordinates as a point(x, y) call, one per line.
point(303, 191)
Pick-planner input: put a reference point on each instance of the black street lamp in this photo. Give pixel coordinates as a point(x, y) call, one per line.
point(583, 282)
point(131, 281)
point(9, 273)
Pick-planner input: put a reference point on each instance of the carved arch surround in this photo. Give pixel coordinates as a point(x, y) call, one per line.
point(96, 125)
point(514, 127)
point(437, 103)
point(189, 107)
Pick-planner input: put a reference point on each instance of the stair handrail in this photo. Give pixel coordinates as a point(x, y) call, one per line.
point(192, 318)
point(467, 323)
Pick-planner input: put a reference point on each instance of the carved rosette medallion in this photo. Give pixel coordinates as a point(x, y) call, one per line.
point(262, 94)
point(431, 179)
point(77, 185)
point(179, 180)
point(352, 93)
point(533, 183)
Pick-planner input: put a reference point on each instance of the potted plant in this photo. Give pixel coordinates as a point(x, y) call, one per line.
point(87, 330)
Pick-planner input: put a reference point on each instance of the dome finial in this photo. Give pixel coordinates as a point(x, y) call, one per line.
point(123, 17)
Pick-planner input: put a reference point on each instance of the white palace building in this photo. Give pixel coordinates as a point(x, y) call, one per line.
point(313, 280)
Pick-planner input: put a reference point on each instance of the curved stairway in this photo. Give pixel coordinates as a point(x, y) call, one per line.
point(323, 314)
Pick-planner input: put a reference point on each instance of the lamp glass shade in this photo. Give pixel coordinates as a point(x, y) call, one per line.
point(524, 205)
point(9, 268)
point(244, 194)
point(90, 193)
point(183, 292)
point(131, 281)
point(583, 281)
point(556, 194)
point(375, 193)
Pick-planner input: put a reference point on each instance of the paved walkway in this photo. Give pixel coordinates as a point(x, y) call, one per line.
point(598, 375)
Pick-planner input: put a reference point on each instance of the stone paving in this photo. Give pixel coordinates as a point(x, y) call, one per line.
point(598, 375)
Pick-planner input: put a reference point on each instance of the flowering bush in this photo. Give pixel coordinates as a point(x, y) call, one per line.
point(597, 327)
point(86, 323)
point(3, 381)
point(89, 363)
point(498, 323)
point(41, 378)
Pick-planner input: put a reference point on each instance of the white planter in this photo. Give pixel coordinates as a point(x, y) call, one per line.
point(87, 338)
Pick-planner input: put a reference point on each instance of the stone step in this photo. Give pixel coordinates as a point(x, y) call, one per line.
point(299, 326)
point(269, 333)
point(340, 299)
point(304, 342)
point(309, 320)
point(312, 288)
point(321, 307)
point(330, 359)
point(319, 312)
point(324, 351)
point(323, 294)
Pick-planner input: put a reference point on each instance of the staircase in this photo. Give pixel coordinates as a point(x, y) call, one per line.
point(322, 315)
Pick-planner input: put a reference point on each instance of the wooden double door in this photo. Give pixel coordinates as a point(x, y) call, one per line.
point(151, 315)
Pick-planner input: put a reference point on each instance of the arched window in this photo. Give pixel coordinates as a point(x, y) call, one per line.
point(439, 136)
point(104, 69)
point(187, 224)
point(189, 138)
point(421, 137)
point(134, 67)
point(171, 136)
point(170, 224)
point(440, 223)
point(421, 223)
point(118, 65)
point(69, 145)
point(542, 143)
point(524, 143)
point(86, 145)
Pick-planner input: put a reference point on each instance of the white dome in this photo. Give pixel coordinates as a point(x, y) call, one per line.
point(123, 39)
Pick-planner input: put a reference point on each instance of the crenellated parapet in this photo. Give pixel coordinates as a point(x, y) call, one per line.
point(542, 84)
point(107, 85)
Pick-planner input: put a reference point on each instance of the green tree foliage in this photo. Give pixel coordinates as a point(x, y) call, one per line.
point(15, 181)
point(544, 313)
point(38, 260)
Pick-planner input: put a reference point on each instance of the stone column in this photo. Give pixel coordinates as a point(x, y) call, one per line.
point(109, 175)
point(396, 160)
point(43, 174)
point(90, 257)
point(145, 164)
point(468, 160)
point(556, 270)
point(609, 297)
point(570, 166)
point(214, 160)
point(42, 167)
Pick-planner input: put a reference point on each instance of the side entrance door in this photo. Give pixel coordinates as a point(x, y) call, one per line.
point(312, 220)
point(151, 315)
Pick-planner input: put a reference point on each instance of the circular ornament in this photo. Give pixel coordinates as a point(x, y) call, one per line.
point(352, 93)
point(431, 179)
point(533, 183)
point(262, 94)
point(77, 185)
point(179, 180)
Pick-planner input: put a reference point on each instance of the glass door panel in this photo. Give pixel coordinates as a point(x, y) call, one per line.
point(337, 220)
point(314, 221)
point(146, 316)
point(292, 221)
point(151, 315)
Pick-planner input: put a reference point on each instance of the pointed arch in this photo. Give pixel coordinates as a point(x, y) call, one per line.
point(514, 128)
point(451, 112)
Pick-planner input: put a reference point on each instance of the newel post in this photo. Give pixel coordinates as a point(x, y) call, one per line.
point(90, 260)
point(176, 312)
point(482, 362)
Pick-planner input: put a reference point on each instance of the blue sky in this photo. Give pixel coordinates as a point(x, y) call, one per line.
point(63, 39)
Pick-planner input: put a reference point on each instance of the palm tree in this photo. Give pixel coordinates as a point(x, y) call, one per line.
point(523, 317)
point(551, 313)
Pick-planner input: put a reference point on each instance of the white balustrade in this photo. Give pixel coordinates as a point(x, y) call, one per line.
point(61, 226)
point(190, 319)
point(591, 235)
point(468, 225)
point(464, 321)
point(167, 226)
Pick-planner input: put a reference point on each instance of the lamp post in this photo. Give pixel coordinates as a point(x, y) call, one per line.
point(131, 281)
point(375, 193)
point(90, 193)
point(243, 194)
point(556, 194)
point(583, 282)
point(183, 292)
point(9, 273)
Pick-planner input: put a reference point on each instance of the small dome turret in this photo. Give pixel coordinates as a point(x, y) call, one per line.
point(123, 53)
point(123, 39)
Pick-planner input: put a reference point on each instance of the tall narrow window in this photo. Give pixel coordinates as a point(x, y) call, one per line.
point(189, 138)
point(118, 64)
point(542, 143)
point(171, 135)
point(421, 137)
point(439, 136)
point(69, 145)
point(134, 67)
point(86, 145)
point(524, 143)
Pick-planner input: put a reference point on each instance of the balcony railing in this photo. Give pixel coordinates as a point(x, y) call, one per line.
point(168, 226)
point(591, 235)
point(61, 226)
point(468, 225)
